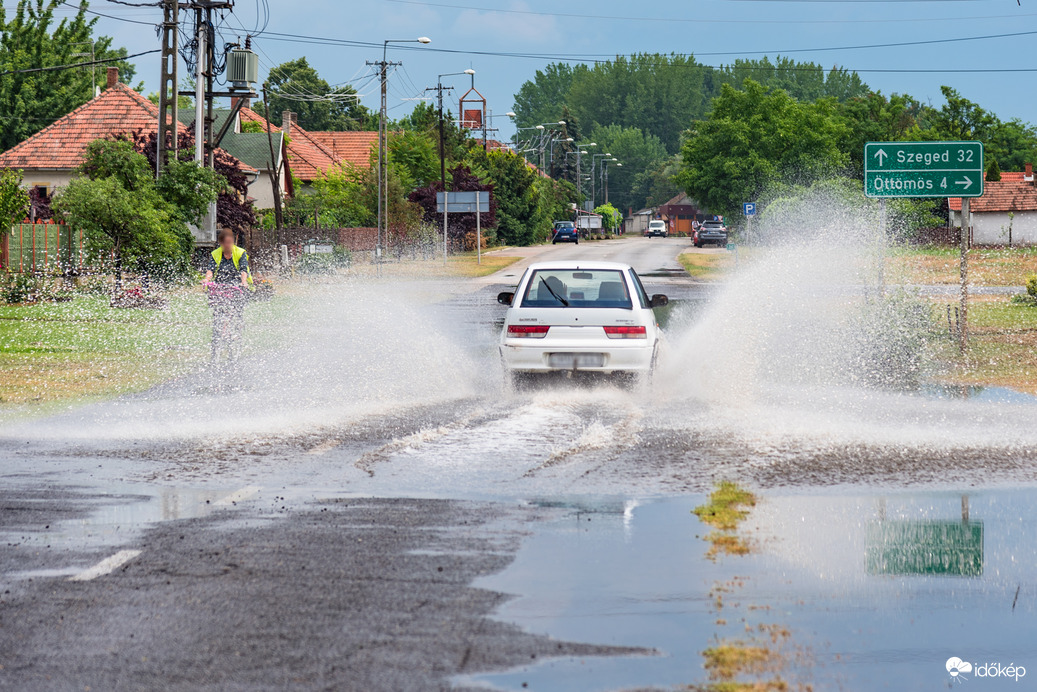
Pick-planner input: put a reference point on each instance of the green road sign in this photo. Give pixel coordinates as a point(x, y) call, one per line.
point(923, 169)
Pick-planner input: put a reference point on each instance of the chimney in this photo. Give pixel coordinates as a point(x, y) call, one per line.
point(246, 102)
point(288, 119)
point(113, 77)
point(1028, 175)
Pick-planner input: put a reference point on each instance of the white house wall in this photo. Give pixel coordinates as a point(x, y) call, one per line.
point(991, 228)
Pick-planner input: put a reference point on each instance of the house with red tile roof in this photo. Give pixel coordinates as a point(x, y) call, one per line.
point(1006, 214)
point(354, 148)
point(49, 158)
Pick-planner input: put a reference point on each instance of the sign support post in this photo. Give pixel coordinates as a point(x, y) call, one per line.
point(446, 210)
point(478, 228)
point(882, 247)
point(963, 239)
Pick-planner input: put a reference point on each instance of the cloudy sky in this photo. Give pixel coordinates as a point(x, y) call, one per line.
point(508, 40)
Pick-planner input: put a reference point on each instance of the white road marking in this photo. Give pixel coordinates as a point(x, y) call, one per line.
point(106, 566)
point(237, 496)
point(324, 447)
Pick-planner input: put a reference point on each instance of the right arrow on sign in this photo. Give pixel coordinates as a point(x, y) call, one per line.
point(967, 183)
point(881, 155)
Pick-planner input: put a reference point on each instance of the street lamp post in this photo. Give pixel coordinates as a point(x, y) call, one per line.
point(605, 175)
point(594, 165)
point(551, 163)
point(579, 180)
point(383, 154)
point(442, 154)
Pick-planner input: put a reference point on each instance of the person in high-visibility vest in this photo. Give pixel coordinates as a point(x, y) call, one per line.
point(228, 280)
point(229, 263)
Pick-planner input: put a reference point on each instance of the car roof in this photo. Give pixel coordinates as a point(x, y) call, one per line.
point(588, 265)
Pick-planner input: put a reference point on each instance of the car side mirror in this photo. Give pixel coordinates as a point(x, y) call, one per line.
point(659, 300)
point(505, 297)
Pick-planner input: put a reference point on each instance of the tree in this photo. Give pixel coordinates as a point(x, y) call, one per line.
point(414, 158)
point(659, 94)
point(516, 194)
point(544, 98)
point(14, 199)
point(754, 142)
point(114, 201)
point(993, 172)
point(460, 227)
point(30, 38)
point(293, 86)
point(234, 210)
point(802, 81)
point(874, 118)
point(336, 201)
point(637, 151)
point(656, 185)
point(611, 218)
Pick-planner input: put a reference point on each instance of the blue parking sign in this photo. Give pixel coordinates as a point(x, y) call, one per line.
point(749, 208)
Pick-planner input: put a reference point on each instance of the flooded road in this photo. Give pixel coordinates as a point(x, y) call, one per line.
point(548, 533)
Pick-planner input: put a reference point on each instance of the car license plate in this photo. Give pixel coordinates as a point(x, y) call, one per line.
point(575, 361)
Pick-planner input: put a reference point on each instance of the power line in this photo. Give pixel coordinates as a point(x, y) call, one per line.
point(54, 68)
point(601, 57)
point(108, 16)
point(669, 20)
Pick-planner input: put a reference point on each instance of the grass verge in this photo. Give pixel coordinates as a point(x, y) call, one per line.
point(59, 353)
point(707, 266)
point(1002, 345)
point(939, 265)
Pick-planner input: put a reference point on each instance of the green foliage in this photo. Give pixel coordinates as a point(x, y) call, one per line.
point(30, 38)
point(297, 77)
point(556, 198)
point(124, 214)
point(637, 151)
point(20, 288)
point(317, 265)
point(14, 199)
point(337, 200)
point(611, 219)
point(252, 126)
point(802, 81)
point(1031, 286)
point(414, 159)
point(516, 193)
point(656, 185)
point(993, 174)
point(756, 141)
point(875, 118)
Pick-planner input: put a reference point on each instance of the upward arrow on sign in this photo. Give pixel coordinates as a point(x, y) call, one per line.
point(881, 155)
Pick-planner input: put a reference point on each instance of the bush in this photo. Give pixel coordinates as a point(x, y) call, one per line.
point(1031, 286)
point(21, 288)
point(315, 265)
point(342, 256)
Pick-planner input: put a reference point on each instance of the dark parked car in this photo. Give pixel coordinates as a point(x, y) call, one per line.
point(711, 232)
point(565, 232)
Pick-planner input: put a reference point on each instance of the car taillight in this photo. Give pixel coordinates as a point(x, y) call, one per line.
point(525, 331)
point(626, 332)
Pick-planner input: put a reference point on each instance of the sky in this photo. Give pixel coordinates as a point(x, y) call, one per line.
point(465, 34)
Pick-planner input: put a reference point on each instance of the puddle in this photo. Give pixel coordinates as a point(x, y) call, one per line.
point(875, 591)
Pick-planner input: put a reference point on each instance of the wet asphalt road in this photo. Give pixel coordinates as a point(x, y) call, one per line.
point(272, 557)
point(333, 526)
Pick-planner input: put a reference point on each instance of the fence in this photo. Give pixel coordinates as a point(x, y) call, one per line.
point(263, 244)
point(41, 247)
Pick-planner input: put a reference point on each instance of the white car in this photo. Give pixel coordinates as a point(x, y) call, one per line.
point(580, 317)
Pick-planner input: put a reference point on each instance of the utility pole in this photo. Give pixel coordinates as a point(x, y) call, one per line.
point(168, 98)
point(383, 155)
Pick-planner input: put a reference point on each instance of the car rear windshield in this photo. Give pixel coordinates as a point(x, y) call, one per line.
point(713, 224)
point(576, 288)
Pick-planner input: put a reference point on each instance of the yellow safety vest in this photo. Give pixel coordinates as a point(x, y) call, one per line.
point(236, 254)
